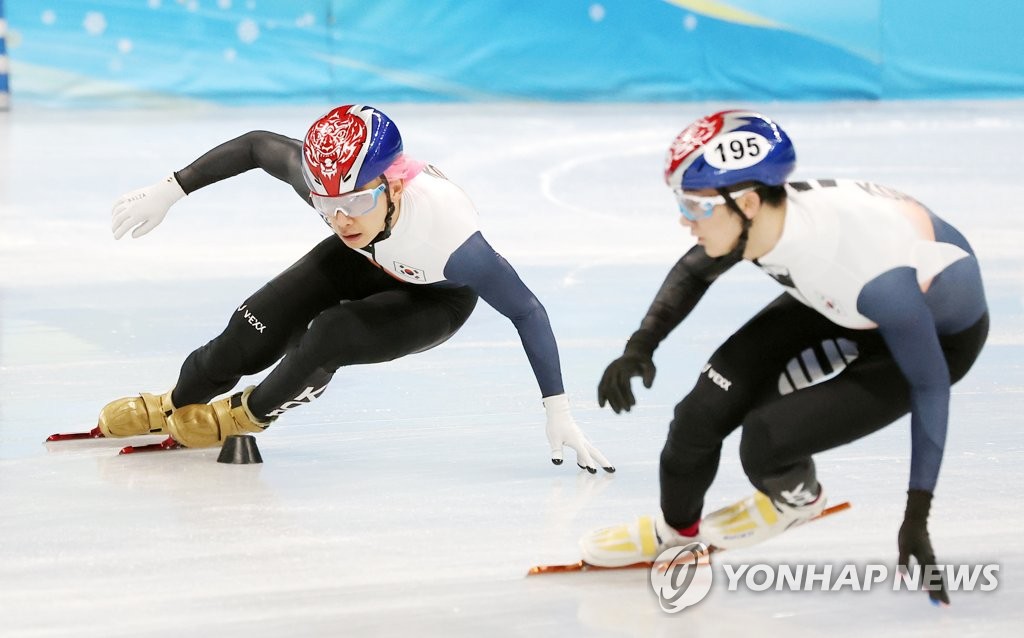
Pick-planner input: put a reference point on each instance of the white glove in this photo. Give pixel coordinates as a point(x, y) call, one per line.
point(144, 208)
point(562, 430)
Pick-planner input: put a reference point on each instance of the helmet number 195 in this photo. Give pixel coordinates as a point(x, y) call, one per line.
point(738, 149)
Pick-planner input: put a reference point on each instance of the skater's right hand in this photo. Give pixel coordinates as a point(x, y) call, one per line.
point(143, 209)
point(914, 542)
point(615, 387)
point(562, 432)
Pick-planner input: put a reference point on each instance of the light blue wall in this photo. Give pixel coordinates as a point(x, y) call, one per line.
point(3, 59)
point(315, 51)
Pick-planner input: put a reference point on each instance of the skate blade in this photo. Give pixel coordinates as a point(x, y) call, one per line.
point(94, 433)
point(168, 444)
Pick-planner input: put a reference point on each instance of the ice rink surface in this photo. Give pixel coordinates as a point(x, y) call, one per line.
point(412, 497)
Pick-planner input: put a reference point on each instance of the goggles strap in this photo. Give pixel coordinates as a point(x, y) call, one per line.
point(741, 245)
point(386, 232)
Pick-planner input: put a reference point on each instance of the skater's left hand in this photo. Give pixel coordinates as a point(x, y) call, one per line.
point(563, 431)
point(914, 542)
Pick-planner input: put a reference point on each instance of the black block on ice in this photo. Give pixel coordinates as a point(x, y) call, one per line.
point(240, 449)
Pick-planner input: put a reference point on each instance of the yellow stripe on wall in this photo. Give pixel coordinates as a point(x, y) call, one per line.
point(723, 11)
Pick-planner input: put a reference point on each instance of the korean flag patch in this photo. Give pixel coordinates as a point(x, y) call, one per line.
point(409, 272)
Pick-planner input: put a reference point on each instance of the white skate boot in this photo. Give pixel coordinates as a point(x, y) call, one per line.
point(640, 541)
point(757, 518)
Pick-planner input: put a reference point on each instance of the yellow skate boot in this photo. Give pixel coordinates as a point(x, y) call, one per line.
point(207, 425)
point(133, 416)
point(757, 518)
point(640, 541)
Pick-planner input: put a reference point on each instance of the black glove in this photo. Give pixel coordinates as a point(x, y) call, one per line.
point(615, 387)
point(914, 542)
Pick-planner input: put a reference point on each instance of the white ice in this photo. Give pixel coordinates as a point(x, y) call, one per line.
point(413, 496)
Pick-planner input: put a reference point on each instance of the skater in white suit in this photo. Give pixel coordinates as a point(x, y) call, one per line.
point(883, 311)
point(399, 274)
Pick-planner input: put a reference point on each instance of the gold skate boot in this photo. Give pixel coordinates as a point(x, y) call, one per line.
point(207, 425)
point(133, 416)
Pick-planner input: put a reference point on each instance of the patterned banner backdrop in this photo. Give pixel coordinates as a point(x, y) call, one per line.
point(315, 51)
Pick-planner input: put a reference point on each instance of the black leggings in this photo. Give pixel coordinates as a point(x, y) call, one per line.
point(332, 308)
point(749, 381)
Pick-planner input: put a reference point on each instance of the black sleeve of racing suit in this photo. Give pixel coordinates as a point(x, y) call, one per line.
point(278, 155)
point(684, 286)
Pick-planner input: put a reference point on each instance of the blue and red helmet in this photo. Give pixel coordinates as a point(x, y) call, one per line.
point(727, 148)
point(347, 148)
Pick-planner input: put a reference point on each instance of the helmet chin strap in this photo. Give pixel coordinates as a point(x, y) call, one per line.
point(741, 245)
point(386, 232)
